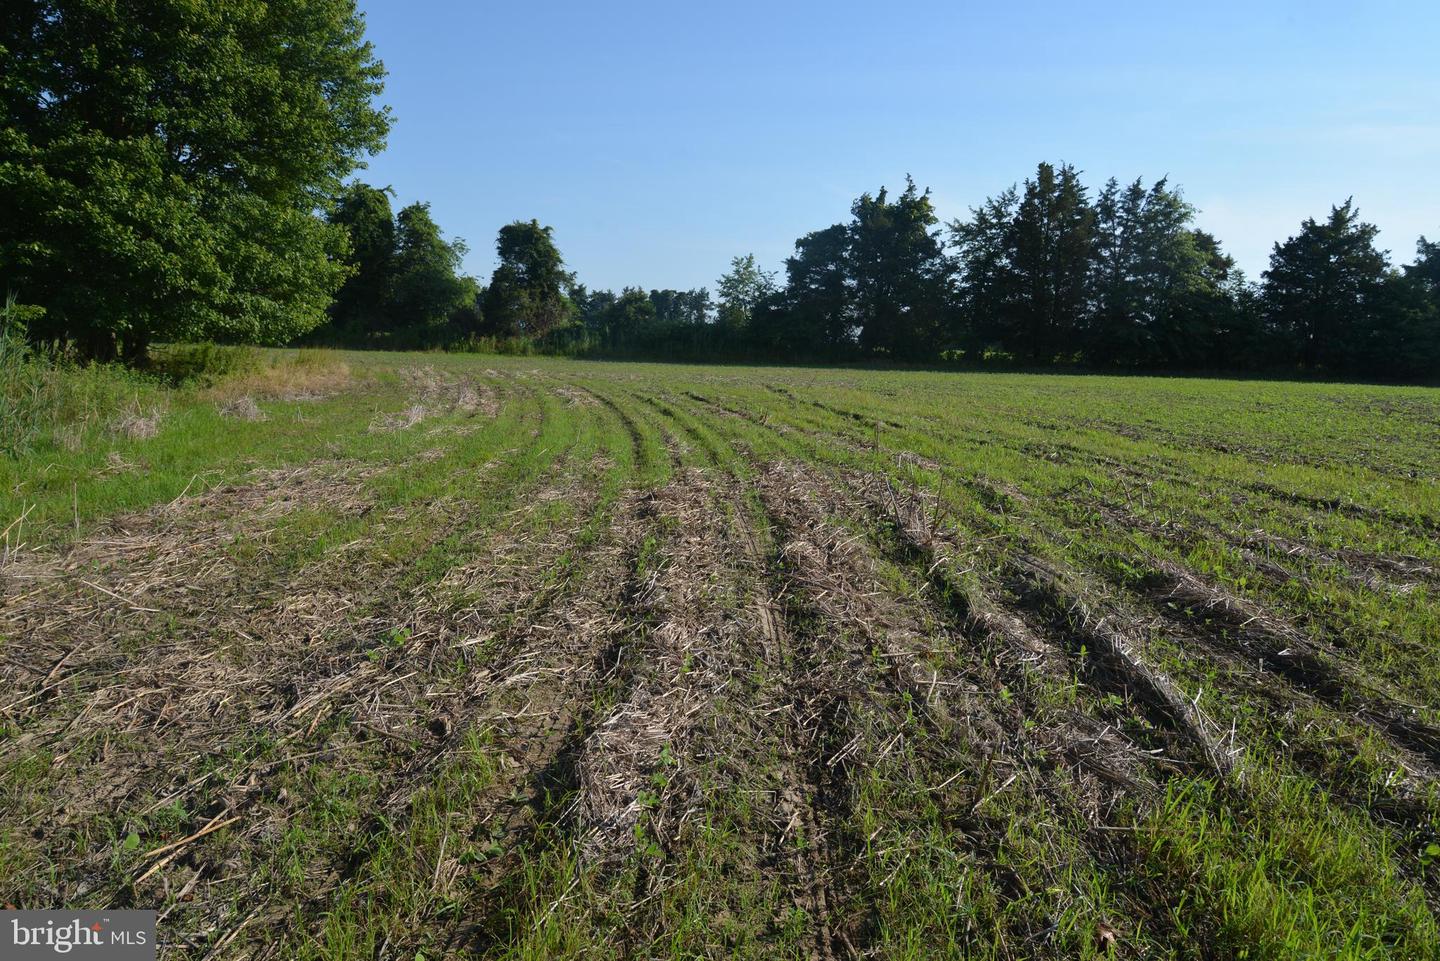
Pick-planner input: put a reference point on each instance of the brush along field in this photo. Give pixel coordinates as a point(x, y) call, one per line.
point(523, 658)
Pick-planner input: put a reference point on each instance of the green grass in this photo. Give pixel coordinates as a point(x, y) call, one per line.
point(845, 620)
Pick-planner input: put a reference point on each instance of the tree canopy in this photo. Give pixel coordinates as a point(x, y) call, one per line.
point(405, 287)
point(527, 291)
point(162, 164)
point(1048, 272)
point(1325, 287)
point(899, 275)
point(742, 289)
point(359, 310)
point(177, 170)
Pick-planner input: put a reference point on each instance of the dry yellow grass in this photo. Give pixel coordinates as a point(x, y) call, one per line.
point(308, 375)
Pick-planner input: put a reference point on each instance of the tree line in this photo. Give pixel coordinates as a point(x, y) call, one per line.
point(404, 289)
point(1043, 273)
point(1046, 273)
point(182, 171)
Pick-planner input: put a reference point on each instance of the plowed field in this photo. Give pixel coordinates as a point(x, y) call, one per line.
point(522, 658)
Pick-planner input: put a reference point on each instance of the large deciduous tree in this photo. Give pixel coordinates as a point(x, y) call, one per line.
point(162, 163)
point(526, 295)
point(360, 308)
point(427, 287)
point(742, 289)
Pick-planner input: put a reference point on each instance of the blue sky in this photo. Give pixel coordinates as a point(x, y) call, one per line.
point(659, 140)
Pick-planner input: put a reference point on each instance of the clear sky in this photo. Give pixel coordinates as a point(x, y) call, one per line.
point(661, 139)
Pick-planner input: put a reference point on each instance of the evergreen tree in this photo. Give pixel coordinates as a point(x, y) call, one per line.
point(819, 298)
point(1244, 338)
point(1325, 289)
point(1404, 341)
point(1220, 321)
point(1125, 281)
point(985, 260)
point(1424, 278)
point(1426, 269)
point(1051, 254)
point(899, 274)
point(1153, 279)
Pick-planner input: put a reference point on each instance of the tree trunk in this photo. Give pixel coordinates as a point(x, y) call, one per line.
point(137, 349)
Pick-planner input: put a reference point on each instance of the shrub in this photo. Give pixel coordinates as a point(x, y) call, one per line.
point(204, 364)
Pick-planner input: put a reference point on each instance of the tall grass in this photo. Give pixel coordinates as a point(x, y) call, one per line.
point(30, 386)
point(559, 344)
point(49, 400)
point(203, 364)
